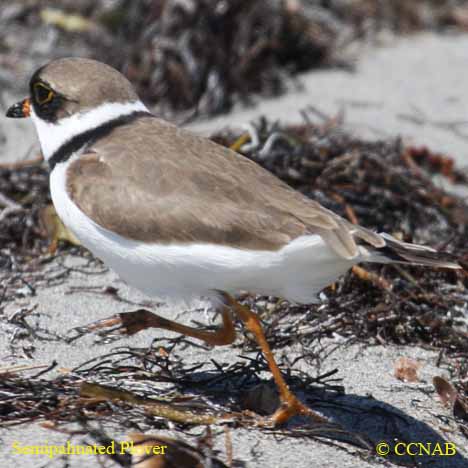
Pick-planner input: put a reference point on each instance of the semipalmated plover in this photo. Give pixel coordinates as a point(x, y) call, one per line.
point(179, 216)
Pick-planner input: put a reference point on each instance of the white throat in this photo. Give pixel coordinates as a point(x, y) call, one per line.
point(53, 135)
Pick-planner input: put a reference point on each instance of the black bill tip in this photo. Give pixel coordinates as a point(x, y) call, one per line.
point(19, 110)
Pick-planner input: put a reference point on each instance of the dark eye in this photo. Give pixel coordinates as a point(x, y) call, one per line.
point(42, 94)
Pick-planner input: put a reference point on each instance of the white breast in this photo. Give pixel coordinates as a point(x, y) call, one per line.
point(185, 272)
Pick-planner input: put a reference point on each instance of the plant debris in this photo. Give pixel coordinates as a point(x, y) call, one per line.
point(128, 387)
point(254, 46)
point(27, 188)
point(457, 401)
point(445, 390)
point(382, 185)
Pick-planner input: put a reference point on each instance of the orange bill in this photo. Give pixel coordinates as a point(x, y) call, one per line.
point(20, 109)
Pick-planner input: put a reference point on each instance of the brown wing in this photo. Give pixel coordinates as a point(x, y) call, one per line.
point(169, 185)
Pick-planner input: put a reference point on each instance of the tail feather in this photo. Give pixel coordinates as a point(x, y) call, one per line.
point(402, 252)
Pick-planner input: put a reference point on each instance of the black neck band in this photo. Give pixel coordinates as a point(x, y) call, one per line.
point(64, 152)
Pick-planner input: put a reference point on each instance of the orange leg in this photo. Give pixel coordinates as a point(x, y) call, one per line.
point(129, 323)
point(290, 405)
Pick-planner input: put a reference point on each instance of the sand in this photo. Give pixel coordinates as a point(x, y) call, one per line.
point(413, 87)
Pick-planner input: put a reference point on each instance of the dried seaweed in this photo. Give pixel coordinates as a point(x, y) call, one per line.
point(129, 386)
point(28, 188)
point(382, 186)
point(24, 241)
point(202, 56)
point(253, 46)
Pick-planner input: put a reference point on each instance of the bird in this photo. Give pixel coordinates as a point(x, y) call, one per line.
point(180, 217)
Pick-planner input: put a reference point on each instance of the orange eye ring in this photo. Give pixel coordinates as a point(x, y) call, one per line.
point(42, 94)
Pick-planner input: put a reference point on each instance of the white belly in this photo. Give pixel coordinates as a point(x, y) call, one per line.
point(185, 272)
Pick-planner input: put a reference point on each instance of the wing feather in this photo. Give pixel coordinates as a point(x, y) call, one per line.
point(169, 185)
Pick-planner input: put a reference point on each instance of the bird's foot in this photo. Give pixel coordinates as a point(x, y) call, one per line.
point(291, 407)
point(129, 323)
point(116, 326)
point(288, 409)
point(122, 324)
